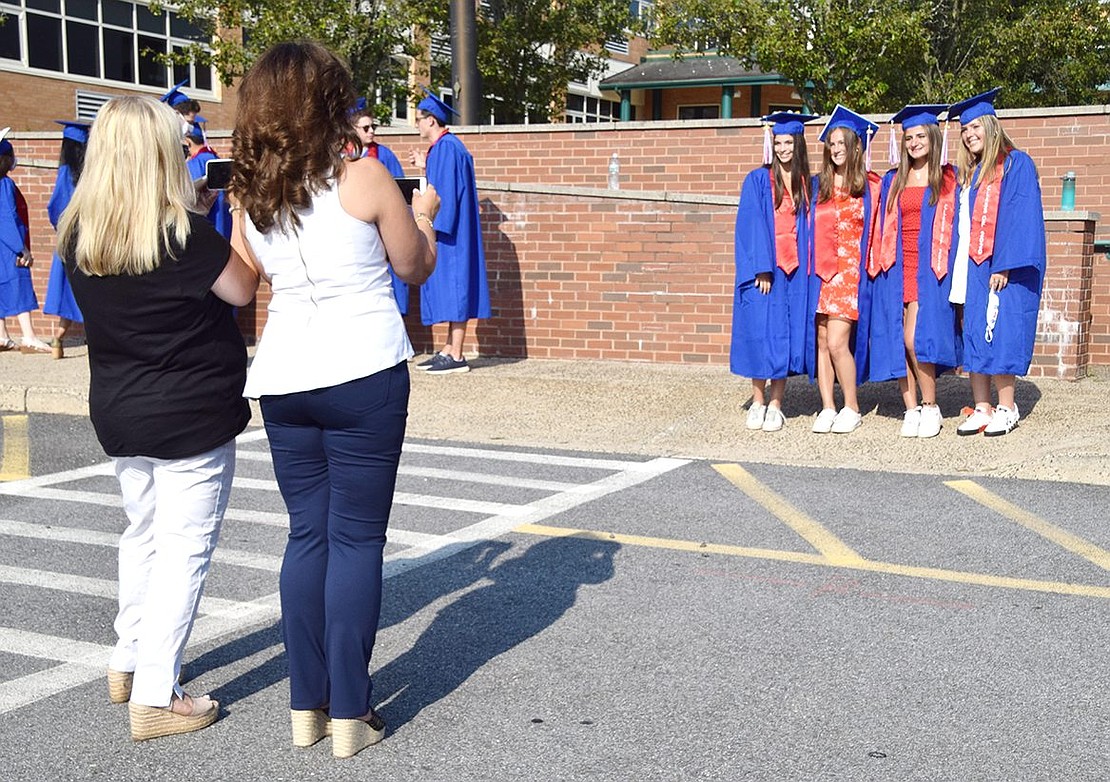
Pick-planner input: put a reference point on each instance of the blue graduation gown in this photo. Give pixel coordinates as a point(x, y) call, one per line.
point(220, 213)
point(1019, 247)
point(393, 166)
point(935, 331)
point(59, 295)
point(17, 292)
point(859, 334)
point(768, 330)
point(457, 290)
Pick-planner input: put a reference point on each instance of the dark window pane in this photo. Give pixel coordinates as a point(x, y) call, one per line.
point(116, 12)
point(44, 42)
point(180, 70)
point(81, 9)
point(46, 5)
point(151, 72)
point(202, 80)
point(575, 102)
point(181, 28)
point(119, 51)
point(401, 106)
point(82, 49)
point(9, 39)
point(148, 22)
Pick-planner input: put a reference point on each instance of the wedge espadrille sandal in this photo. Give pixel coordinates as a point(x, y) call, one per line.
point(309, 726)
point(349, 737)
point(152, 722)
point(119, 686)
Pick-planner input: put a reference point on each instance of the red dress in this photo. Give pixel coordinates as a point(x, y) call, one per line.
point(910, 204)
point(840, 295)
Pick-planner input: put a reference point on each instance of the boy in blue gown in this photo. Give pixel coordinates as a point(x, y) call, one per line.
point(457, 290)
point(199, 154)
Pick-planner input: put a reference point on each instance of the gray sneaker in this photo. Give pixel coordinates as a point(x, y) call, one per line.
point(426, 364)
point(444, 365)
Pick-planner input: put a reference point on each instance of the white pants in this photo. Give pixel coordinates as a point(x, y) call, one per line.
point(174, 508)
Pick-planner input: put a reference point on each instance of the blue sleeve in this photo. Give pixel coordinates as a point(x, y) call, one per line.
point(13, 234)
point(390, 161)
point(755, 232)
point(447, 173)
point(1019, 238)
point(59, 199)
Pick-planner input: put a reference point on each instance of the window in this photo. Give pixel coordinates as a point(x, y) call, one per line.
point(587, 108)
point(101, 39)
point(699, 112)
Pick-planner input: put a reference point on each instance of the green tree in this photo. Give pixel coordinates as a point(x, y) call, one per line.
point(882, 54)
point(374, 36)
point(528, 50)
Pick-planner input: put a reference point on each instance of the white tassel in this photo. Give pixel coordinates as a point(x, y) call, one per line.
point(893, 149)
point(768, 145)
point(944, 146)
point(867, 156)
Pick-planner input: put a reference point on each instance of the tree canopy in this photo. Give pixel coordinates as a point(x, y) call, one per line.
point(877, 55)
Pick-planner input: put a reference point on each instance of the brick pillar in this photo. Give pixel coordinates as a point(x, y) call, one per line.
point(1064, 323)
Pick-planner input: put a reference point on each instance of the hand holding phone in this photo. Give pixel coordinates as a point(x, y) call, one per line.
point(410, 185)
point(217, 172)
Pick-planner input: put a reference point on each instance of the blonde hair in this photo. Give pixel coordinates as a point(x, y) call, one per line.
point(133, 201)
point(934, 168)
point(996, 146)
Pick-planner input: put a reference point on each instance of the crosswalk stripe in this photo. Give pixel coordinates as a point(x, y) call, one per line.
point(460, 476)
point(50, 647)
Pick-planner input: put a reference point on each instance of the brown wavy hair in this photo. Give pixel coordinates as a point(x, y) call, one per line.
point(799, 176)
point(934, 168)
point(291, 127)
point(855, 175)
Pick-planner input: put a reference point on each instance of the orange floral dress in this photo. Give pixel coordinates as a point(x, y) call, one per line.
point(840, 296)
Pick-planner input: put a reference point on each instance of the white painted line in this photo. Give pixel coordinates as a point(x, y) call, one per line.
point(85, 585)
point(50, 647)
point(18, 488)
point(459, 476)
point(524, 456)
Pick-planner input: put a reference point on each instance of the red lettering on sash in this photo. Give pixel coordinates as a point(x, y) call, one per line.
point(984, 218)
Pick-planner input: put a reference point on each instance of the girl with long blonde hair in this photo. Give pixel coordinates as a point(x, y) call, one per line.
point(156, 285)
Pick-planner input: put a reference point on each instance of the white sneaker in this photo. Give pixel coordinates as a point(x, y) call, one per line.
point(911, 422)
point(773, 421)
point(824, 422)
point(847, 420)
point(1002, 422)
point(931, 421)
point(756, 413)
point(975, 422)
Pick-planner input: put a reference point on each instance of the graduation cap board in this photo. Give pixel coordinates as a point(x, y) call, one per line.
point(971, 109)
point(175, 95)
point(5, 145)
point(431, 104)
point(782, 123)
point(843, 117)
point(75, 131)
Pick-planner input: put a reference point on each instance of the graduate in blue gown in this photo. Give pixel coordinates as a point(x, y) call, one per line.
point(59, 296)
point(844, 201)
point(769, 307)
point(1005, 263)
point(17, 292)
point(457, 290)
point(199, 153)
point(911, 325)
point(365, 126)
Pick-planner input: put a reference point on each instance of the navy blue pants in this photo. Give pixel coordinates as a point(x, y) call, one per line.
point(335, 454)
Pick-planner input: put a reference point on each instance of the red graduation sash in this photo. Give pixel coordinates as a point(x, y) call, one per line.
point(824, 239)
point(942, 223)
point(883, 260)
point(984, 217)
point(786, 232)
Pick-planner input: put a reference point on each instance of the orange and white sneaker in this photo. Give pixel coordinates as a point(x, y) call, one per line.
point(977, 420)
point(1002, 422)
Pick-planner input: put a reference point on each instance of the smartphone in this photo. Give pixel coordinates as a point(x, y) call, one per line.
point(410, 184)
point(218, 173)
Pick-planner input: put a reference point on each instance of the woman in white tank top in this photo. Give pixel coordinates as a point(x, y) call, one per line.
point(324, 231)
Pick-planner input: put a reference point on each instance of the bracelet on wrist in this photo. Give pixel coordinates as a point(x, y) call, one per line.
point(420, 216)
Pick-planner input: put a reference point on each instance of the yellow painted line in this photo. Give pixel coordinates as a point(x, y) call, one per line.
point(830, 546)
point(674, 545)
point(1060, 537)
point(15, 459)
point(935, 574)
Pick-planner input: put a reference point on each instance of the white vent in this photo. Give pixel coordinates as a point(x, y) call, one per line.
point(89, 103)
point(617, 47)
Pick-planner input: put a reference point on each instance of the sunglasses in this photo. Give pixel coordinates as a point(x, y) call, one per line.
point(365, 128)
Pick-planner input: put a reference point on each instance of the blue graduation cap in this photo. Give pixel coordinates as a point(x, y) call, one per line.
point(200, 120)
point(919, 114)
point(846, 118)
point(194, 131)
point(75, 131)
point(787, 123)
point(973, 108)
point(360, 105)
point(431, 104)
point(175, 95)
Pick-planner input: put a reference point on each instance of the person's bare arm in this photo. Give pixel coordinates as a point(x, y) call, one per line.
point(368, 192)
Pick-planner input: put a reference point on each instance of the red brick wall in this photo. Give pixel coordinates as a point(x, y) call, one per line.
point(1063, 327)
point(645, 271)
